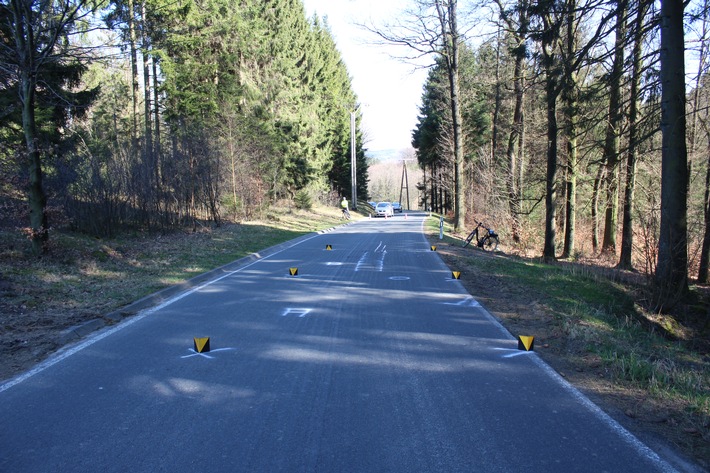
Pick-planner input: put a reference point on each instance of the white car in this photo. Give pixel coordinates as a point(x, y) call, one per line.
point(384, 209)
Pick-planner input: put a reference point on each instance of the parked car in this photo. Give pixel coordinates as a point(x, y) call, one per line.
point(384, 209)
point(396, 207)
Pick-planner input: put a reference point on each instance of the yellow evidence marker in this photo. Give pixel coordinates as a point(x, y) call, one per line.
point(293, 271)
point(525, 343)
point(456, 274)
point(202, 345)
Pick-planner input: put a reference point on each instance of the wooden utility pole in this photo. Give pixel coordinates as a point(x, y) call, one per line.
point(405, 183)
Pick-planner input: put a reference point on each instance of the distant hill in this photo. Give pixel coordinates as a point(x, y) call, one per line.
point(389, 155)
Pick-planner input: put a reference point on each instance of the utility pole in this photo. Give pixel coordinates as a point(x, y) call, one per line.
point(353, 168)
point(405, 183)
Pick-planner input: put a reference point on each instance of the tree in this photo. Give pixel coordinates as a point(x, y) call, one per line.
point(627, 234)
point(426, 137)
point(447, 15)
point(705, 125)
point(517, 23)
point(432, 29)
point(40, 60)
point(671, 277)
point(613, 131)
point(571, 101)
point(549, 13)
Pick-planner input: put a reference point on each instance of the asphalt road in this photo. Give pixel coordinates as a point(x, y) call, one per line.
point(370, 359)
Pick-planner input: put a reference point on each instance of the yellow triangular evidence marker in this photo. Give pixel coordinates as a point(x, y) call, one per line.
point(328, 247)
point(433, 247)
point(525, 343)
point(293, 271)
point(456, 274)
point(202, 345)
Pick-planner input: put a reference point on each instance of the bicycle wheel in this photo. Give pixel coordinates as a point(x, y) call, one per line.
point(490, 243)
point(468, 239)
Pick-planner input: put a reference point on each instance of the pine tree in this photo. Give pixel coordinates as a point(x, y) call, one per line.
point(42, 66)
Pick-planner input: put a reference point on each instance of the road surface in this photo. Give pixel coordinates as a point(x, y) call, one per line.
point(370, 359)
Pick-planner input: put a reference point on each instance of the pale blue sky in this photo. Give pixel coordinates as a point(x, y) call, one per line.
point(389, 90)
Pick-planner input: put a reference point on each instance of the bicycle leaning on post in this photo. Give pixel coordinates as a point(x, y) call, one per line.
point(488, 241)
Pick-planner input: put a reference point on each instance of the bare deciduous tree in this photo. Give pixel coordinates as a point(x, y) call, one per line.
point(431, 28)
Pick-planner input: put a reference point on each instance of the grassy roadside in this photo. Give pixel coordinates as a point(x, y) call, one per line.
point(588, 324)
point(83, 278)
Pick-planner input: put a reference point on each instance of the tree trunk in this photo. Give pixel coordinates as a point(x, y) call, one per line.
point(498, 101)
point(447, 16)
point(705, 251)
point(156, 121)
point(596, 190)
point(613, 132)
point(692, 137)
point(549, 251)
point(134, 71)
point(148, 126)
point(671, 278)
point(551, 91)
point(571, 213)
point(24, 38)
point(627, 232)
point(571, 99)
point(515, 140)
point(37, 198)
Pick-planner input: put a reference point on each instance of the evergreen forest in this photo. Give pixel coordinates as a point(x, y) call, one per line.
point(153, 115)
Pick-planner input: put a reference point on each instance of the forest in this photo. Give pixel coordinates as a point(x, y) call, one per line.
point(571, 124)
point(158, 114)
point(580, 133)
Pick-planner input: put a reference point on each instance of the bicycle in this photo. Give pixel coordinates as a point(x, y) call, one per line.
point(488, 242)
point(346, 214)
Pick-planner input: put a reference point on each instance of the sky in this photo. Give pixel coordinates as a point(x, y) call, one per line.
point(389, 90)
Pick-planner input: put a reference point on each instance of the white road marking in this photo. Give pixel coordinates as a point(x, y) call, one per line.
point(379, 264)
point(468, 302)
point(515, 351)
point(296, 312)
point(204, 355)
point(360, 262)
